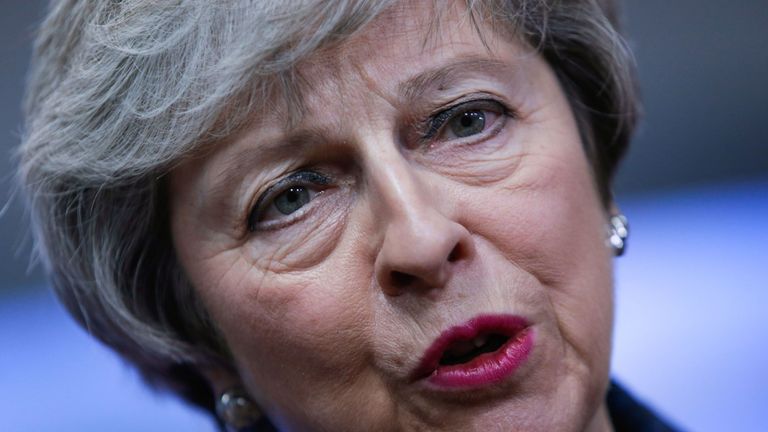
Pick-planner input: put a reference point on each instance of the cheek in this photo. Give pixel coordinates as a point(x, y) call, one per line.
point(274, 300)
point(288, 316)
point(546, 216)
point(290, 333)
point(547, 220)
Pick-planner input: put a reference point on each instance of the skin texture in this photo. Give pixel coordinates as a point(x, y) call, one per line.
point(327, 311)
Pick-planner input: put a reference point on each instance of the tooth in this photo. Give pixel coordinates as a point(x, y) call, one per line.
point(480, 341)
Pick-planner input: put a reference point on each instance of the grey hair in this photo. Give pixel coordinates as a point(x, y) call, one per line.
point(121, 91)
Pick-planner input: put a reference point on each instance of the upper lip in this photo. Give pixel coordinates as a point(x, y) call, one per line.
point(508, 325)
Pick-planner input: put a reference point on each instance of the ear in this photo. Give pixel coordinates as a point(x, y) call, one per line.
point(613, 209)
point(221, 379)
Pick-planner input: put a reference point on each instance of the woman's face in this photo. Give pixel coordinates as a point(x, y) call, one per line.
point(422, 248)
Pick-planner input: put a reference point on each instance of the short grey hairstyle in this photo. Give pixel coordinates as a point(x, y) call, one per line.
point(121, 91)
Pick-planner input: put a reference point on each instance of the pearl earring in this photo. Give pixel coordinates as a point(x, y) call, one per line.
point(238, 412)
point(618, 233)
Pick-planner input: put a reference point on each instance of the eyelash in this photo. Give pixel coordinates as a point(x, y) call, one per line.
point(303, 178)
point(436, 123)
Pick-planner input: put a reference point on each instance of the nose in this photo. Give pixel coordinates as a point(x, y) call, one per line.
point(422, 247)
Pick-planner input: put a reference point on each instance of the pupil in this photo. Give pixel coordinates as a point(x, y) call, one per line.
point(292, 200)
point(469, 123)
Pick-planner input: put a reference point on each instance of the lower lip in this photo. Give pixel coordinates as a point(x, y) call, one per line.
point(487, 369)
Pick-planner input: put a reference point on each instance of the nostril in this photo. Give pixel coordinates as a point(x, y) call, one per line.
point(456, 253)
point(401, 280)
point(427, 262)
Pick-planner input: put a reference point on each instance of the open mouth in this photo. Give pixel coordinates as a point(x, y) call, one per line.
point(483, 351)
point(464, 351)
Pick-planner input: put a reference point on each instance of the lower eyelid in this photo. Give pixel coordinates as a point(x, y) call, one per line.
point(286, 219)
point(306, 211)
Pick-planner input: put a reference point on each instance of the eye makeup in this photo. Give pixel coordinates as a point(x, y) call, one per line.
point(434, 126)
point(311, 181)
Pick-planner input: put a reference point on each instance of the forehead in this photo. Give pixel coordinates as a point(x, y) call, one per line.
point(393, 54)
point(415, 53)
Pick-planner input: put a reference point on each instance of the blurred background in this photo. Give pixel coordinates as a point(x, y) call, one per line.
point(691, 333)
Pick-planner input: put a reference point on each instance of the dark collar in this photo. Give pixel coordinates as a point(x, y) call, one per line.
point(629, 415)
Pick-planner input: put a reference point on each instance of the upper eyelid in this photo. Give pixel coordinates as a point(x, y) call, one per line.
point(431, 126)
point(301, 177)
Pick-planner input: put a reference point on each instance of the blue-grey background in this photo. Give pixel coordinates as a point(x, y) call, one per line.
point(691, 330)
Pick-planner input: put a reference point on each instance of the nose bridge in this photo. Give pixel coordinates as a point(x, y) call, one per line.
point(421, 244)
point(404, 201)
point(399, 193)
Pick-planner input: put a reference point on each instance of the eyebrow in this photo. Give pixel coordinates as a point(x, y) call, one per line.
point(244, 159)
point(447, 76)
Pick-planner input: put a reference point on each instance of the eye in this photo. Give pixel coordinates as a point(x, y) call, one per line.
point(283, 202)
point(292, 199)
point(467, 124)
point(466, 120)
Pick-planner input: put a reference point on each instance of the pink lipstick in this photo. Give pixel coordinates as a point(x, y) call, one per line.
point(483, 351)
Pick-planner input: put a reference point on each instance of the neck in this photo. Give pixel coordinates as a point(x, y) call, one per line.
point(601, 422)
